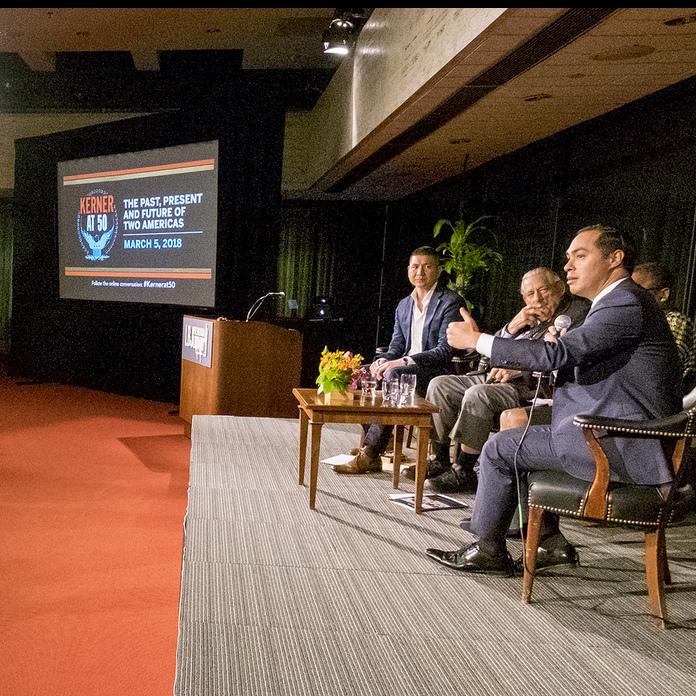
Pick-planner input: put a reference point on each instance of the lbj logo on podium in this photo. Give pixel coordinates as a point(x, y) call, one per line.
point(197, 338)
point(197, 341)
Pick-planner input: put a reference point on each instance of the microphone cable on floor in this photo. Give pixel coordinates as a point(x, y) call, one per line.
point(561, 324)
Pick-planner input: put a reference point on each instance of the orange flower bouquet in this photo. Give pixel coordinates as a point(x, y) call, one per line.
point(336, 370)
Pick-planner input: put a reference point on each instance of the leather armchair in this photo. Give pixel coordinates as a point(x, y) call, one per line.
point(648, 508)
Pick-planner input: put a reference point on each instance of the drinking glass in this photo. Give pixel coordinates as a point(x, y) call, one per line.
point(369, 386)
point(407, 390)
point(390, 392)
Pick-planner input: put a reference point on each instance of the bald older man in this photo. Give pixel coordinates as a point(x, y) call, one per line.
point(469, 403)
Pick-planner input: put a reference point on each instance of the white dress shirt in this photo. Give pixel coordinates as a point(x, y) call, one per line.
point(417, 323)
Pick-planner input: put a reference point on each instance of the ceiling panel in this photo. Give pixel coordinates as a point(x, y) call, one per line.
point(44, 50)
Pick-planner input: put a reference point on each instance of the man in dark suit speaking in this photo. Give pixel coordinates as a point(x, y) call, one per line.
point(621, 363)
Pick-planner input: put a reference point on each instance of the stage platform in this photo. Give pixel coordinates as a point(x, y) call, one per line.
point(279, 599)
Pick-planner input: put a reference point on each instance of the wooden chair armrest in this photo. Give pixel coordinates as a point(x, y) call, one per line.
point(596, 503)
point(671, 427)
point(677, 427)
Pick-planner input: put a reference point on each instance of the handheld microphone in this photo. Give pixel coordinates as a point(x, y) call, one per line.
point(562, 321)
point(255, 307)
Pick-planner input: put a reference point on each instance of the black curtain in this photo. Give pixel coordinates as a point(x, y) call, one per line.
point(135, 348)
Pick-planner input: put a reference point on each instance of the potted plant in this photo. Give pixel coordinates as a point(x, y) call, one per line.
point(463, 259)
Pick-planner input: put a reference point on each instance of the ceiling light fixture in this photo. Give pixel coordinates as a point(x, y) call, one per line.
point(338, 38)
point(344, 28)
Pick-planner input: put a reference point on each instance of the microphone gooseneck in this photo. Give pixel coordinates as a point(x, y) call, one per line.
point(255, 307)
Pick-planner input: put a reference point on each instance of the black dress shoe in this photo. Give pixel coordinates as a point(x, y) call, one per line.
point(471, 559)
point(435, 468)
point(453, 480)
point(555, 554)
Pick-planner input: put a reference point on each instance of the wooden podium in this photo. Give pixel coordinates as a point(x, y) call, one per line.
point(253, 367)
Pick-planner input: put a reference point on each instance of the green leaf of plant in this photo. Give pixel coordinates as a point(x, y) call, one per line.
point(463, 258)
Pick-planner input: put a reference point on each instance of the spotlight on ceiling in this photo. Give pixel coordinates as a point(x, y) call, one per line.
point(344, 28)
point(339, 38)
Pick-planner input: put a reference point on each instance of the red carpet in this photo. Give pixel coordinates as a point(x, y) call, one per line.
point(92, 500)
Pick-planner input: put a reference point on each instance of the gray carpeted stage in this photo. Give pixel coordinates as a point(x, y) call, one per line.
point(277, 599)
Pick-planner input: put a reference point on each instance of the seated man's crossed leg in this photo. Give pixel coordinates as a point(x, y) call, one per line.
point(502, 462)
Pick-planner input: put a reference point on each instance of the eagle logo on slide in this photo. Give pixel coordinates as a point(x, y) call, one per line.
point(97, 224)
point(97, 244)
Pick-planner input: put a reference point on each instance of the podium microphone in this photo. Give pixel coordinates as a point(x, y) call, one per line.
point(255, 307)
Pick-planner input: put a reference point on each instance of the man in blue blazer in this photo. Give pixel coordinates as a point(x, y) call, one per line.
point(621, 363)
point(418, 345)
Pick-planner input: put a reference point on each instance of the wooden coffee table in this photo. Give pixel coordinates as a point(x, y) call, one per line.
point(314, 411)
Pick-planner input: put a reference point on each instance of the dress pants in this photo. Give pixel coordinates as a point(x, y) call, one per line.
point(468, 407)
point(497, 493)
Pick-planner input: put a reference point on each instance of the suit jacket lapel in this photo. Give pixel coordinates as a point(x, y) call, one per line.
point(408, 320)
point(429, 314)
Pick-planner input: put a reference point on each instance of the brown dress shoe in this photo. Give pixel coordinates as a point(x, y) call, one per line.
point(362, 464)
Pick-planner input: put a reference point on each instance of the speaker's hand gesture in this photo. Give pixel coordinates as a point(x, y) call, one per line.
point(463, 334)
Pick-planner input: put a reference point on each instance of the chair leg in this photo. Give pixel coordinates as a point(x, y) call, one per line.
point(667, 576)
point(655, 558)
point(534, 519)
point(409, 437)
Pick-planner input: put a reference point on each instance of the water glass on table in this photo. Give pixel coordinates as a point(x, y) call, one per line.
point(369, 386)
point(390, 392)
point(407, 390)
